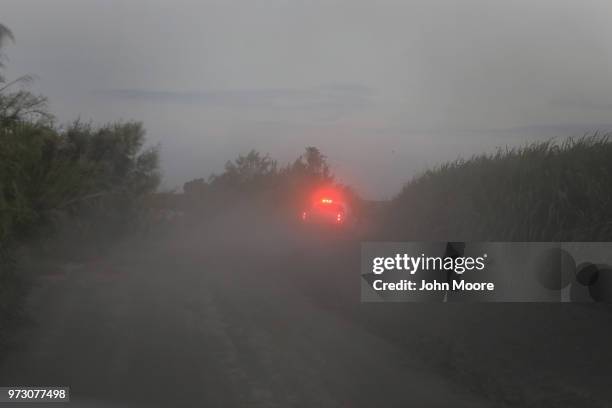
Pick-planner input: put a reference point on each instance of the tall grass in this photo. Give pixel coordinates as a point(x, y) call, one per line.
point(546, 191)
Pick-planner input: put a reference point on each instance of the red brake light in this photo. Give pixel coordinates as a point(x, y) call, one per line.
point(327, 200)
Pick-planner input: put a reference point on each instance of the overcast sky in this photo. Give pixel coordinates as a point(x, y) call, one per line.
point(384, 88)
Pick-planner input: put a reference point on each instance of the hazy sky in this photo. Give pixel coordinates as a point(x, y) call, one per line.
point(384, 88)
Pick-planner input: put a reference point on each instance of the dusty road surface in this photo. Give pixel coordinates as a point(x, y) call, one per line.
point(213, 321)
point(234, 316)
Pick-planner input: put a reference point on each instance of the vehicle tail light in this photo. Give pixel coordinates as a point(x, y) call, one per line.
point(339, 217)
point(304, 215)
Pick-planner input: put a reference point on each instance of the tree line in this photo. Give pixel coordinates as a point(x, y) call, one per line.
point(79, 179)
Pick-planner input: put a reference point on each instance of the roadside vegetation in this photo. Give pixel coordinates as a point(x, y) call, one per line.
point(258, 179)
point(78, 182)
point(547, 191)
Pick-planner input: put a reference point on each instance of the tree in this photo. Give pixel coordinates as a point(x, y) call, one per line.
point(18, 105)
point(316, 163)
point(311, 166)
point(113, 156)
point(246, 172)
point(44, 172)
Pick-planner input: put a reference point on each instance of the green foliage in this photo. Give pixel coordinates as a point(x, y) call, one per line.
point(541, 192)
point(23, 162)
point(251, 172)
point(114, 157)
point(311, 165)
point(19, 105)
point(44, 172)
point(258, 177)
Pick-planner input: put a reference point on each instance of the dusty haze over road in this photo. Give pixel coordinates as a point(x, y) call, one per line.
point(223, 314)
point(217, 317)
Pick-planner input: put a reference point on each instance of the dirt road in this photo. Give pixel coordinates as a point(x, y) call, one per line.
point(188, 324)
point(233, 316)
